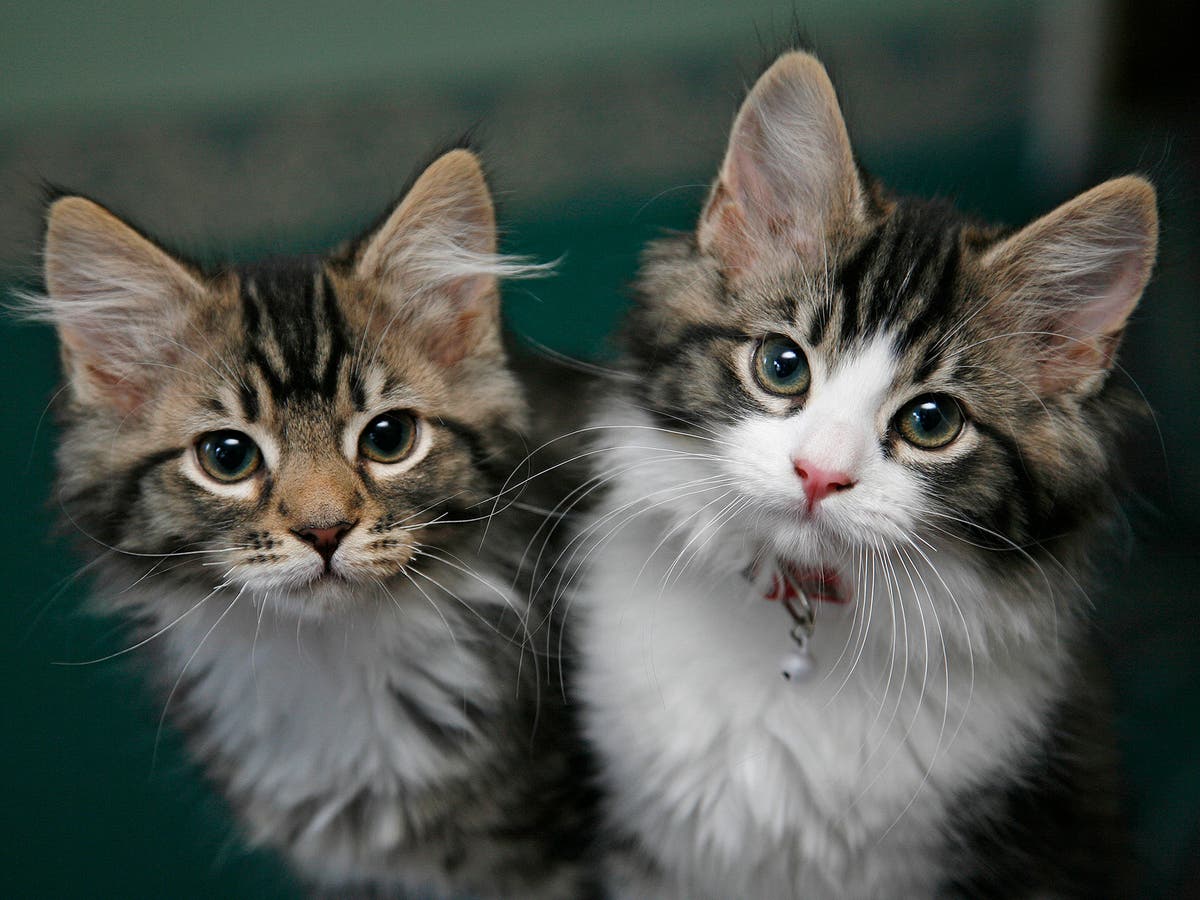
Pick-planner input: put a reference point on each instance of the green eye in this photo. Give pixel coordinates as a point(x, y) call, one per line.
point(228, 456)
point(930, 422)
point(388, 438)
point(781, 367)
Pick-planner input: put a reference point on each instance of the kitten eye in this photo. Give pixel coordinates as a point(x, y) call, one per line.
point(931, 421)
point(228, 456)
point(781, 367)
point(388, 438)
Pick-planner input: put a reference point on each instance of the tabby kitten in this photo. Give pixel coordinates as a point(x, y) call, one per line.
point(286, 473)
point(833, 619)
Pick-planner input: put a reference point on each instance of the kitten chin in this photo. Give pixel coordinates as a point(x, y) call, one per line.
point(825, 377)
point(294, 480)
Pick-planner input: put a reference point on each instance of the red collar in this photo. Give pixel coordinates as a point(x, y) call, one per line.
point(818, 585)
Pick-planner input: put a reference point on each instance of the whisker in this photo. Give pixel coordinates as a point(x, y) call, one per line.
point(145, 641)
point(182, 672)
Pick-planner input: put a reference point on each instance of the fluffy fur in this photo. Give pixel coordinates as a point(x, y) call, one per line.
point(952, 739)
point(375, 711)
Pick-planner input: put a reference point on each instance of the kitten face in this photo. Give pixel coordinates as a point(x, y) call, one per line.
point(296, 430)
point(867, 371)
point(313, 405)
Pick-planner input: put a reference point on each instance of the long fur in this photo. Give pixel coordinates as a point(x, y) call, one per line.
point(383, 714)
point(953, 739)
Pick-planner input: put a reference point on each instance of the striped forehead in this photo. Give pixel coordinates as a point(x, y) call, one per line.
point(295, 337)
point(901, 279)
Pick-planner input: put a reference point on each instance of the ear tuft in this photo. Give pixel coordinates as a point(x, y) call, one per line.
point(435, 258)
point(788, 183)
point(1075, 275)
point(117, 300)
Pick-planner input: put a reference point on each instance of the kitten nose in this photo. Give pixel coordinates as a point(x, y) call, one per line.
point(324, 540)
point(819, 483)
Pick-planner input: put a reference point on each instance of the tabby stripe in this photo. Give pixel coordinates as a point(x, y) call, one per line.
point(130, 489)
point(786, 308)
point(882, 298)
point(249, 398)
point(300, 341)
point(438, 733)
point(481, 457)
point(704, 333)
point(853, 274)
point(215, 405)
point(1025, 486)
point(338, 343)
point(276, 386)
point(358, 391)
point(253, 315)
point(820, 323)
point(471, 711)
point(939, 296)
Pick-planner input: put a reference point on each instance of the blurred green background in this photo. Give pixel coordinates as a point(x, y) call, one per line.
point(234, 129)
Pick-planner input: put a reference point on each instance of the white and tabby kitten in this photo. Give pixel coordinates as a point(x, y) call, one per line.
point(832, 621)
point(284, 472)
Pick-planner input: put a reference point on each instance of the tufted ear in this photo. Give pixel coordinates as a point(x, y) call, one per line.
point(434, 259)
point(118, 300)
point(1072, 278)
point(788, 181)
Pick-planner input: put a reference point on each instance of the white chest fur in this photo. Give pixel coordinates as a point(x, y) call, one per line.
point(741, 783)
point(305, 716)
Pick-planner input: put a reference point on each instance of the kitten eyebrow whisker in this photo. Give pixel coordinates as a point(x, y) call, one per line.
point(170, 340)
point(229, 369)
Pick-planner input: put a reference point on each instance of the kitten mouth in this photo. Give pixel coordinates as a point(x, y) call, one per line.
point(820, 585)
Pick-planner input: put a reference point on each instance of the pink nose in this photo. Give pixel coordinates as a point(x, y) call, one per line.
point(324, 540)
point(820, 483)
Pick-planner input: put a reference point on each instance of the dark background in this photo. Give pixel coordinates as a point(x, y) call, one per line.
point(230, 130)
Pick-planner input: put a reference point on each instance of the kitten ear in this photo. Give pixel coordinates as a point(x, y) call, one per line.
point(788, 182)
point(1075, 275)
point(117, 300)
point(435, 257)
